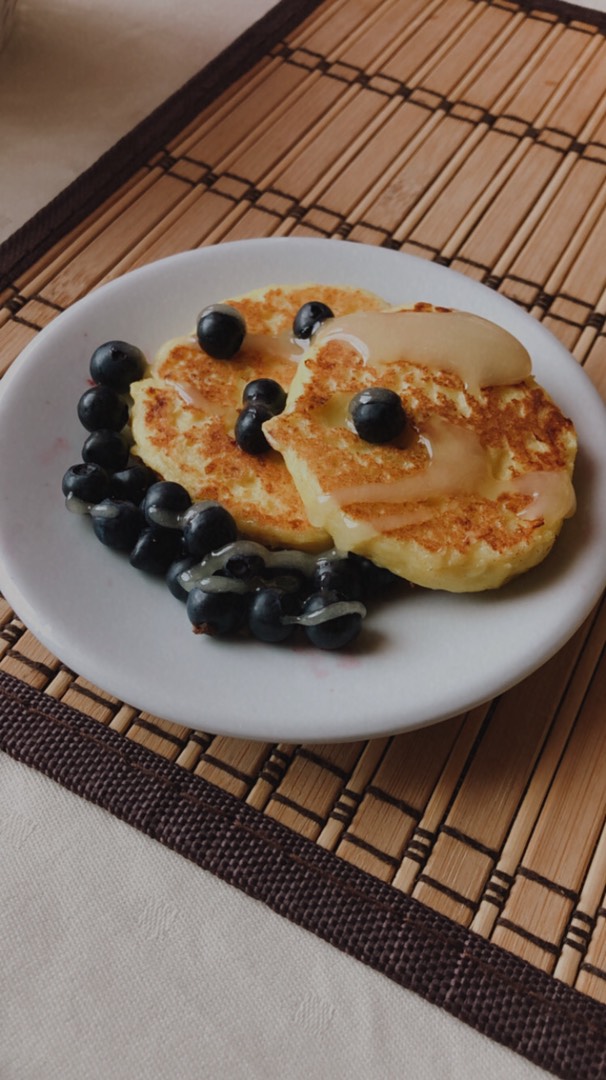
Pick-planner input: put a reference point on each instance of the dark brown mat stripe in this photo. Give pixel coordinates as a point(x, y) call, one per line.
point(472, 134)
point(501, 995)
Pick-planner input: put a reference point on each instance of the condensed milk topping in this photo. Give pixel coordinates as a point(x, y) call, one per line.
point(551, 493)
point(190, 395)
point(457, 463)
point(482, 354)
point(478, 351)
point(283, 346)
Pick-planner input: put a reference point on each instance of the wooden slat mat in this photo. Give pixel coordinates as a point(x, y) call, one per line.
point(473, 134)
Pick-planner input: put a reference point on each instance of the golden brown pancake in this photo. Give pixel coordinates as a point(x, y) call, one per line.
point(183, 415)
point(474, 491)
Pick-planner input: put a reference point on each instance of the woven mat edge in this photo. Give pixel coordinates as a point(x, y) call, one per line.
point(114, 167)
point(481, 984)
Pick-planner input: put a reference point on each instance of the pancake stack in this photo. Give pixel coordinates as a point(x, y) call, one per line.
point(472, 492)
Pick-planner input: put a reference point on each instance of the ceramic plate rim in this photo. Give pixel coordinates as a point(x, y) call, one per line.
point(334, 700)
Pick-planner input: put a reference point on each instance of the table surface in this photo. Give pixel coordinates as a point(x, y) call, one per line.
point(121, 957)
point(65, 105)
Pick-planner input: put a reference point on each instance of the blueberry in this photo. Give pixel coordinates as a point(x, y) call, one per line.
point(100, 407)
point(376, 579)
point(267, 609)
point(377, 414)
point(109, 449)
point(117, 524)
point(208, 529)
point(340, 575)
point(333, 633)
point(250, 436)
point(131, 483)
point(117, 364)
point(155, 550)
point(175, 569)
point(244, 567)
point(265, 392)
point(221, 329)
point(88, 482)
point(216, 613)
point(164, 500)
point(309, 318)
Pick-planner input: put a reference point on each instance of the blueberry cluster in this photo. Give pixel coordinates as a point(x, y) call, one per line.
point(107, 471)
point(274, 594)
point(228, 585)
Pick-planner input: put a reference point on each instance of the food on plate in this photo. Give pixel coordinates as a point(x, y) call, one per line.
point(307, 448)
point(197, 417)
point(419, 438)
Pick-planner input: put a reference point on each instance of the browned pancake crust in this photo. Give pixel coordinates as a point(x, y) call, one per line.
point(192, 441)
point(520, 428)
point(275, 307)
point(199, 450)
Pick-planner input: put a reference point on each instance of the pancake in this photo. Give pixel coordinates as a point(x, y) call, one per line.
point(184, 412)
point(475, 489)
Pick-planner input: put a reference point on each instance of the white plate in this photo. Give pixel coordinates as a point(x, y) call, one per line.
point(419, 660)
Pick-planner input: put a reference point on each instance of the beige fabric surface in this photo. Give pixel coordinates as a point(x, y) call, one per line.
point(77, 75)
point(123, 961)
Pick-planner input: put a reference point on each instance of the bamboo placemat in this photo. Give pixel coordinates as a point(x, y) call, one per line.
point(473, 134)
